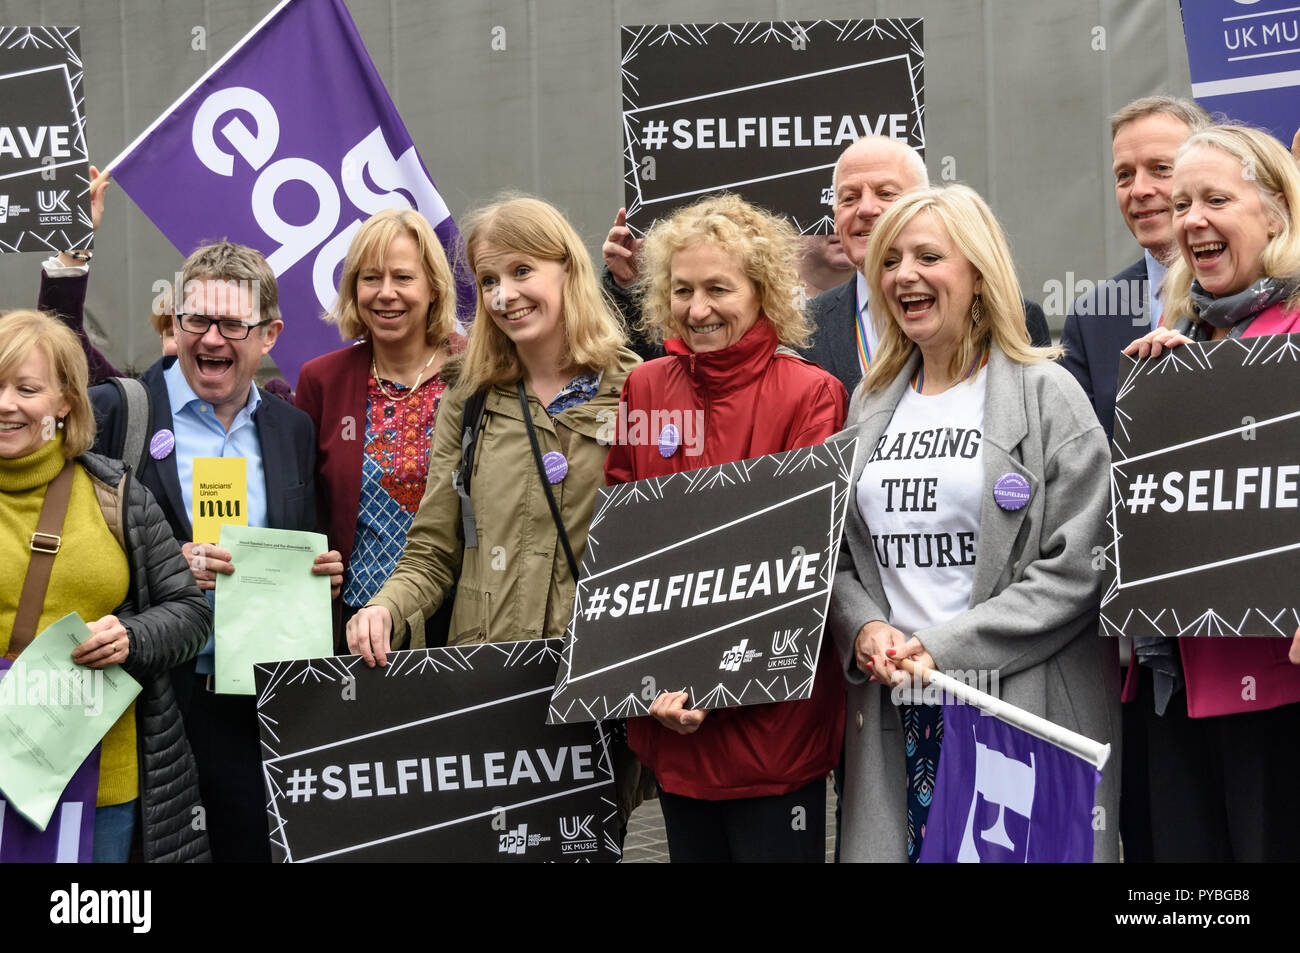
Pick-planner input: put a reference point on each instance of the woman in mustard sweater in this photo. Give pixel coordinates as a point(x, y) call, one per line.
point(117, 566)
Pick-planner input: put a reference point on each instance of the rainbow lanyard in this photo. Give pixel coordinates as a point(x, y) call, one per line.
point(864, 349)
point(980, 360)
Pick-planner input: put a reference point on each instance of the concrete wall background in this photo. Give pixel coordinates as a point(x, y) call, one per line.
point(1016, 95)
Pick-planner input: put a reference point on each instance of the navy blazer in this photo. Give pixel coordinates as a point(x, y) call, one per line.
point(288, 454)
point(1107, 324)
point(834, 315)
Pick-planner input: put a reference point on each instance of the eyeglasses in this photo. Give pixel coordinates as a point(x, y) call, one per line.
point(232, 329)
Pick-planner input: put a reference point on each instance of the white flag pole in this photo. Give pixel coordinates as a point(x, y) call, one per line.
point(1078, 745)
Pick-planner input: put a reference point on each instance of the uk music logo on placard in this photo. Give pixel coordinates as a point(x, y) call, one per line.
point(576, 834)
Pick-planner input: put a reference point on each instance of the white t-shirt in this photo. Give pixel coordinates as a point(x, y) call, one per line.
point(920, 496)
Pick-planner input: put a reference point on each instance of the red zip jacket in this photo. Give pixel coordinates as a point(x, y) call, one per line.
point(755, 401)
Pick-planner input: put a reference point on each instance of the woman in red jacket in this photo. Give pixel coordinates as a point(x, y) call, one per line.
point(375, 402)
point(722, 289)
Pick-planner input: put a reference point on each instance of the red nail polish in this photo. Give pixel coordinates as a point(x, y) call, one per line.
point(889, 652)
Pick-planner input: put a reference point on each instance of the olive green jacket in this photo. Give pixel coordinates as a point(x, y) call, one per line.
point(516, 584)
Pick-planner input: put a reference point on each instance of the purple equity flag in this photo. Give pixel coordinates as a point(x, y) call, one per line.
point(70, 835)
point(1004, 796)
point(287, 144)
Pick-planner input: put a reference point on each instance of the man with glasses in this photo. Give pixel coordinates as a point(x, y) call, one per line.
point(203, 403)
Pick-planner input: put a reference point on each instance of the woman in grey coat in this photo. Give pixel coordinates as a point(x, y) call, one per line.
point(980, 489)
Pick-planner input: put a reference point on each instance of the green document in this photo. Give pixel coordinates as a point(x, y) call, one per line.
point(52, 714)
point(273, 607)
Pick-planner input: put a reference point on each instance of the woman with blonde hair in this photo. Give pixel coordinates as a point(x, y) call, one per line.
point(1213, 745)
point(140, 602)
point(375, 402)
point(980, 489)
point(722, 291)
point(507, 526)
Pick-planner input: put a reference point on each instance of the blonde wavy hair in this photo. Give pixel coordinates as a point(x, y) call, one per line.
point(1273, 171)
point(978, 236)
point(20, 333)
point(765, 247)
point(529, 226)
point(369, 245)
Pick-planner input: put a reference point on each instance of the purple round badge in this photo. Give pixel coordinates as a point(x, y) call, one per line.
point(1011, 491)
point(669, 440)
point(556, 466)
point(162, 444)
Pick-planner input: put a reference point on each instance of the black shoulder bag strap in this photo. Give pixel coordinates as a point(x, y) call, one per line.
point(546, 484)
point(460, 477)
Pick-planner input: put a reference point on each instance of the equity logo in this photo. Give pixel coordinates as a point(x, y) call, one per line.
point(737, 655)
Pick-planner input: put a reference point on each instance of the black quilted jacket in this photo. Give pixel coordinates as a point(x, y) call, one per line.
point(168, 620)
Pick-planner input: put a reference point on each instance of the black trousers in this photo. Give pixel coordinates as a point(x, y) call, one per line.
point(786, 828)
point(1223, 788)
point(1134, 789)
point(223, 734)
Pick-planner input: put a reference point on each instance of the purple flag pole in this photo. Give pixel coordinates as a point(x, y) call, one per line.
point(244, 155)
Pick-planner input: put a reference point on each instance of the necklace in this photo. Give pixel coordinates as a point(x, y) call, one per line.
point(384, 390)
point(918, 379)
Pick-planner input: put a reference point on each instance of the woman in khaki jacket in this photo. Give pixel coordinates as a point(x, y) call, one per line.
point(543, 329)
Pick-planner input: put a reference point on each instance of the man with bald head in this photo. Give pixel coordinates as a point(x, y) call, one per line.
point(870, 176)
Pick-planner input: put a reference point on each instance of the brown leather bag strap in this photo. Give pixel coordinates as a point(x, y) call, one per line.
point(45, 543)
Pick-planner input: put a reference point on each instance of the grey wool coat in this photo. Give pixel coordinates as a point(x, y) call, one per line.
point(1033, 605)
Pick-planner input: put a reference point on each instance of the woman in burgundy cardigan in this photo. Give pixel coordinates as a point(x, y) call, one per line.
point(375, 402)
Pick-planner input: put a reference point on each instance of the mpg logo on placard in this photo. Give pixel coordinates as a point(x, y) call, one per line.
point(738, 655)
point(518, 840)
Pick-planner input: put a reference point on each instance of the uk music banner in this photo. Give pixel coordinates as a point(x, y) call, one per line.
point(762, 109)
point(444, 755)
point(1244, 57)
point(1002, 795)
point(1203, 535)
point(44, 171)
point(713, 581)
point(287, 144)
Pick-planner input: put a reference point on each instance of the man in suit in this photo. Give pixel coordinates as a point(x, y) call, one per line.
point(203, 403)
point(869, 176)
point(1145, 134)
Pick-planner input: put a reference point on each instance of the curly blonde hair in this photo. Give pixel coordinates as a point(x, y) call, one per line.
point(593, 332)
point(975, 232)
point(764, 246)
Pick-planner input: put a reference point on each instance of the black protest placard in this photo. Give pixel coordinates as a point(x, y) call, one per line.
point(442, 756)
point(1203, 536)
point(712, 581)
point(44, 171)
point(761, 109)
